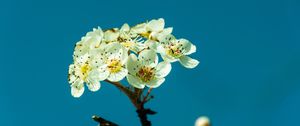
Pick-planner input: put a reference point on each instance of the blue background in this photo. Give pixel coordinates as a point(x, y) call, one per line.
point(249, 73)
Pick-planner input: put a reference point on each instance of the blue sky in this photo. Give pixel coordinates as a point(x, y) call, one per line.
point(248, 75)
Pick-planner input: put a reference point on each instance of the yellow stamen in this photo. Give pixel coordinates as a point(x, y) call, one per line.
point(85, 69)
point(146, 74)
point(114, 66)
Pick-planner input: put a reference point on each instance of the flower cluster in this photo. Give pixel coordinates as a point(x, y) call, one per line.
point(130, 52)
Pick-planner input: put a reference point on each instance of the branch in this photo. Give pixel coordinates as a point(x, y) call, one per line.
point(131, 95)
point(103, 122)
point(135, 98)
point(146, 97)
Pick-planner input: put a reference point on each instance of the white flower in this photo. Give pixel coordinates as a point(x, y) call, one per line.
point(153, 29)
point(82, 71)
point(111, 61)
point(102, 56)
point(92, 40)
point(172, 49)
point(130, 40)
point(145, 70)
point(125, 37)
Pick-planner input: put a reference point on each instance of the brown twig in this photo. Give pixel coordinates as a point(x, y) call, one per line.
point(103, 122)
point(135, 98)
point(126, 91)
point(145, 98)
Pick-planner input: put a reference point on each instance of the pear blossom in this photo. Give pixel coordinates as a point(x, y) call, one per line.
point(152, 29)
point(111, 61)
point(90, 41)
point(82, 71)
point(145, 70)
point(130, 40)
point(129, 52)
point(124, 36)
point(172, 49)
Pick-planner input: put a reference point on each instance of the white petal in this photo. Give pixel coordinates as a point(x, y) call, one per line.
point(168, 30)
point(156, 25)
point(151, 44)
point(186, 46)
point(115, 77)
point(163, 69)
point(166, 39)
point(188, 62)
point(160, 49)
point(156, 82)
point(124, 55)
point(71, 76)
point(137, 47)
point(103, 75)
point(160, 35)
point(92, 42)
point(132, 64)
point(192, 50)
point(77, 89)
point(140, 28)
point(134, 81)
point(168, 58)
point(94, 86)
point(125, 28)
point(148, 58)
point(111, 35)
point(116, 51)
point(82, 59)
point(97, 34)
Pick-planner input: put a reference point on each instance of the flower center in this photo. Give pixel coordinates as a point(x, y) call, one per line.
point(85, 69)
point(146, 34)
point(114, 66)
point(174, 51)
point(146, 74)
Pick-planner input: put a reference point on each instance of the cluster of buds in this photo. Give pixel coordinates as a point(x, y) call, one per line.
point(131, 52)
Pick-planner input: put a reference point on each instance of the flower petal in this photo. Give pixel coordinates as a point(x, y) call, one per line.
point(163, 69)
point(77, 89)
point(125, 28)
point(166, 39)
point(71, 75)
point(132, 64)
point(103, 75)
point(186, 46)
point(156, 25)
point(94, 86)
point(115, 77)
point(139, 28)
point(97, 33)
point(160, 35)
point(188, 62)
point(156, 82)
point(148, 58)
point(168, 58)
point(192, 50)
point(111, 35)
point(134, 81)
point(116, 51)
point(151, 44)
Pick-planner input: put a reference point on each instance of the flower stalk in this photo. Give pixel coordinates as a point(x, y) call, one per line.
point(135, 98)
